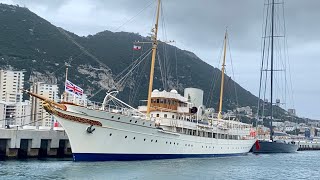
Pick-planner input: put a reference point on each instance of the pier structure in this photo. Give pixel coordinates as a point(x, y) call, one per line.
point(26, 143)
point(309, 145)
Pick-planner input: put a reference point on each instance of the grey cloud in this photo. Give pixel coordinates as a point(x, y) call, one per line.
point(199, 26)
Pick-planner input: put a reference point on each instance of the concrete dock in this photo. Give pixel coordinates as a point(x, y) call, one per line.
point(309, 145)
point(24, 143)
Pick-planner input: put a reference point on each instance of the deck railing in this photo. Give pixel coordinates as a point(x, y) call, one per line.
point(113, 109)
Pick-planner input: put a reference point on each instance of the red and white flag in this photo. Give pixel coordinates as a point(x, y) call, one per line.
point(73, 89)
point(136, 48)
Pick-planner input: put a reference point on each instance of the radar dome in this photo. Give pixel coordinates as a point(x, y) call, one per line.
point(155, 90)
point(174, 91)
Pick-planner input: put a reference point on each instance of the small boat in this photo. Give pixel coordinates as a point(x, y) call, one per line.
point(272, 145)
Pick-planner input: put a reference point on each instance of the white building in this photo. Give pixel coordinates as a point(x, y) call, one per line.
point(289, 128)
point(38, 115)
point(15, 113)
point(246, 110)
point(278, 124)
point(10, 84)
point(292, 112)
point(12, 110)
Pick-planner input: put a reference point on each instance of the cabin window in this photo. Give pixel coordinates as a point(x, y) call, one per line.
point(158, 100)
point(169, 101)
point(172, 116)
point(161, 100)
point(165, 101)
point(158, 115)
point(165, 115)
point(151, 115)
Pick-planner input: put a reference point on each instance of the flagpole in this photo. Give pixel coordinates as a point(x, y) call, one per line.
point(65, 93)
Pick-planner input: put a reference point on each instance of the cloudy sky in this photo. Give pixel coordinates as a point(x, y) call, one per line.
point(199, 25)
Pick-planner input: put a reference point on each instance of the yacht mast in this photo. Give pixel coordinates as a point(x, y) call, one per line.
point(222, 76)
point(271, 70)
point(154, 52)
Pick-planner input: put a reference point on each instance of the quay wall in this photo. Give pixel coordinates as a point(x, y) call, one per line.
point(24, 143)
point(309, 145)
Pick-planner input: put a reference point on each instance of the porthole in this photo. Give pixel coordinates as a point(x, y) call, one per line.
point(125, 136)
point(202, 146)
point(166, 142)
point(151, 140)
point(150, 124)
point(177, 143)
point(118, 117)
point(174, 143)
point(144, 139)
point(156, 140)
point(112, 116)
point(130, 120)
point(170, 142)
point(135, 121)
point(110, 134)
point(143, 123)
point(134, 137)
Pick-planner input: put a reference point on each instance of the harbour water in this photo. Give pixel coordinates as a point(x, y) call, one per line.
point(300, 165)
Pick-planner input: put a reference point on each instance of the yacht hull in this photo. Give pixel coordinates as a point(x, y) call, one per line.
point(120, 137)
point(275, 147)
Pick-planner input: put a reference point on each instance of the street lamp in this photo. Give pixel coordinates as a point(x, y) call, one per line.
point(7, 124)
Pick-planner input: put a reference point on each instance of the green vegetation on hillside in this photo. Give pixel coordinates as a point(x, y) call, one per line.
point(29, 42)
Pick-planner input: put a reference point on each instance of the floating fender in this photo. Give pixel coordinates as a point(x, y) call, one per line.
point(90, 129)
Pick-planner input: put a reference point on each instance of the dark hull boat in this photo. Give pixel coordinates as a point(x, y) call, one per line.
point(275, 147)
point(268, 68)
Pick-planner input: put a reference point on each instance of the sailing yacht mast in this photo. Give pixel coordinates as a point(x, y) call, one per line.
point(222, 76)
point(271, 70)
point(154, 52)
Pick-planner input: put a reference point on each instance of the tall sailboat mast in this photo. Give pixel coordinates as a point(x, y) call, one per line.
point(222, 76)
point(271, 70)
point(154, 52)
